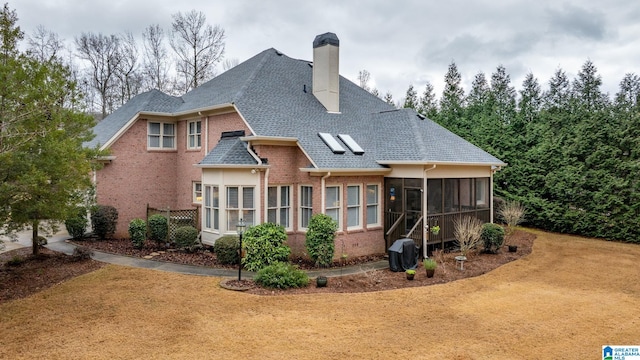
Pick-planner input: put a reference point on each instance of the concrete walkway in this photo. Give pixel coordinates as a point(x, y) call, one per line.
point(67, 248)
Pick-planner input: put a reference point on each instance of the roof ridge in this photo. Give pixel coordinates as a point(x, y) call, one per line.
point(254, 73)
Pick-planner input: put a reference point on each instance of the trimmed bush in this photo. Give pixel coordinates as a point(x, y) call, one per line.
point(492, 236)
point(320, 243)
point(158, 228)
point(138, 232)
point(77, 224)
point(186, 238)
point(226, 249)
point(104, 219)
point(264, 245)
point(281, 275)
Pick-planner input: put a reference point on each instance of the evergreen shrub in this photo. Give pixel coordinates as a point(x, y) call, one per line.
point(138, 232)
point(104, 219)
point(226, 249)
point(281, 275)
point(264, 245)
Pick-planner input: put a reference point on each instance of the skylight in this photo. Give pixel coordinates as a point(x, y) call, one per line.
point(351, 144)
point(332, 143)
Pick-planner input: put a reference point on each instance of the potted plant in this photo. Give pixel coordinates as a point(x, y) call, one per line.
point(410, 274)
point(321, 281)
point(430, 266)
point(435, 230)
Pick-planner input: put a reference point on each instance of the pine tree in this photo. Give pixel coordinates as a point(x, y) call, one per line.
point(530, 98)
point(44, 168)
point(428, 105)
point(452, 100)
point(411, 98)
point(503, 95)
point(388, 98)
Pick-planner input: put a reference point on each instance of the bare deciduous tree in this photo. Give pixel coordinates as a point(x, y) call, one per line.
point(156, 59)
point(130, 80)
point(230, 63)
point(198, 46)
point(104, 57)
point(44, 45)
point(363, 78)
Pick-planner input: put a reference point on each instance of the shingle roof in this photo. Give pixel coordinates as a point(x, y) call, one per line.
point(274, 95)
point(229, 151)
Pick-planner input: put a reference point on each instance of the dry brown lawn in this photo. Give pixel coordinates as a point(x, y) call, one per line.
point(565, 300)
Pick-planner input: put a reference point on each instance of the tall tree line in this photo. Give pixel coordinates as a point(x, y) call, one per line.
point(112, 68)
point(573, 152)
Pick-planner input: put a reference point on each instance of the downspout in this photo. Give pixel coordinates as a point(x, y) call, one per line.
point(425, 228)
point(265, 206)
point(493, 170)
point(322, 192)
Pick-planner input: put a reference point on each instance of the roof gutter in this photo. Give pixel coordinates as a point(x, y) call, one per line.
point(392, 162)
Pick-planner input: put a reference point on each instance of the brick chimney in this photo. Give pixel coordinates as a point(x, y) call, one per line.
point(326, 76)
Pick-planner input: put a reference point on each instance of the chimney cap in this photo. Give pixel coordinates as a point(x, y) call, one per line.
point(326, 39)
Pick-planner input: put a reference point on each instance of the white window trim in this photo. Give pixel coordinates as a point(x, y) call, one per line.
point(161, 135)
point(240, 209)
point(195, 192)
point(377, 204)
point(300, 227)
point(359, 206)
point(279, 206)
point(212, 208)
point(197, 135)
point(339, 207)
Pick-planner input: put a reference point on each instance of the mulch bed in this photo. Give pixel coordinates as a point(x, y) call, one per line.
point(50, 268)
point(22, 274)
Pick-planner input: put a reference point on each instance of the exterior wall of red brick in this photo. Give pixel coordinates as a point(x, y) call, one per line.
point(159, 178)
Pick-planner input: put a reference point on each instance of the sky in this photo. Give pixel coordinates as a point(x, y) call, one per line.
point(400, 43)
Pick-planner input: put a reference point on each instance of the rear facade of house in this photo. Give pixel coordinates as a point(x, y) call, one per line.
point(277, 139)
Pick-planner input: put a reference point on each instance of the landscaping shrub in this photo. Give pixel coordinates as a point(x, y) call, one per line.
point(493, 237)
point(226, 249)
point(281, 275)
point(512, 213)
point(158, 228)
point(321, 234)
point(264, 245)
point(186, 238)
point(467, 231)
point(104, 219)
point(81, 253)
point(77, 224)
point(138, 232)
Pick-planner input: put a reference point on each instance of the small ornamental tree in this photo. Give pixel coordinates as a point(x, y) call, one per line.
point(321, 234)
point(264, 245)
point(104, 219)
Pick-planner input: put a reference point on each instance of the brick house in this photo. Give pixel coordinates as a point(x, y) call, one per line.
point(276, 139)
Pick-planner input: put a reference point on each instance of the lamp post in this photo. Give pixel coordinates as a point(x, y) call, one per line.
point(240, 228)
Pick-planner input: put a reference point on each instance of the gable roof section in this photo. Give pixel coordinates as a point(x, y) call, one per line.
point(228, 152)
point(274, 94)
point(150, 101)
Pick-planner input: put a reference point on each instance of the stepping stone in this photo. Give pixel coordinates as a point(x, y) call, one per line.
point(148, 257)
point(154, 254)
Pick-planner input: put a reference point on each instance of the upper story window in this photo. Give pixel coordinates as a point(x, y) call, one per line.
point(194, 134)
point(161, 135)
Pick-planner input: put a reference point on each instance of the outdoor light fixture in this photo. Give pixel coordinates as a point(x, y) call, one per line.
point(240, 228)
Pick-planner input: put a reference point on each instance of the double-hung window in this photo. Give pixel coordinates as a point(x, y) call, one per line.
point(194, 134)
point(306, 205)
point(197, 192)
point(354, 207)
point(373, 217)
point(212, 207)
point(279, 205)
point(240, 205)
point(161, 135)
point(333, 205)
